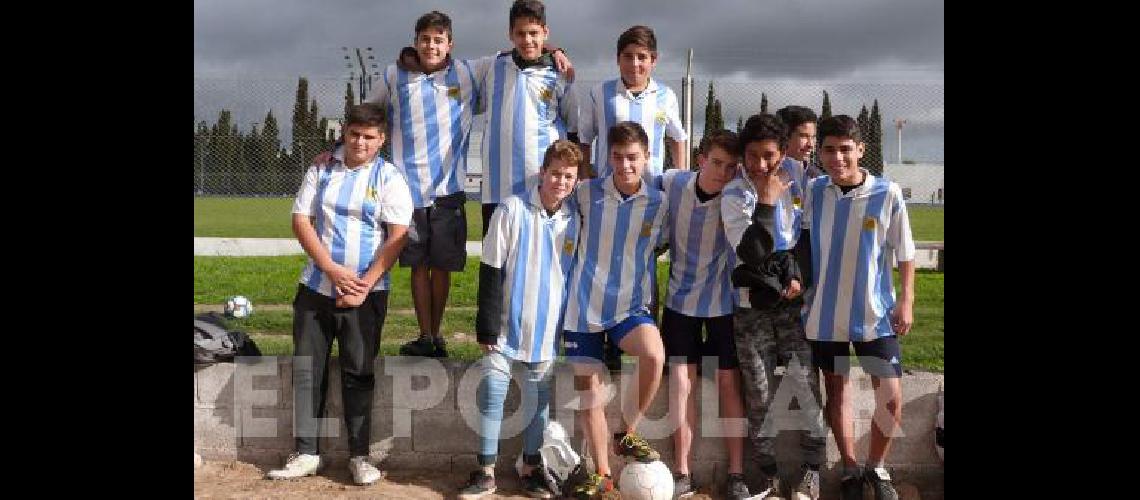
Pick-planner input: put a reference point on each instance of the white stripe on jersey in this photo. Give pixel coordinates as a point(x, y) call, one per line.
point(349, 208)
point(853, 238)
point(609, 102)
point(526, 110)
point(536, 253)
point(615, 256)
point(738, 202)
point(430, 116)
point(700, 283)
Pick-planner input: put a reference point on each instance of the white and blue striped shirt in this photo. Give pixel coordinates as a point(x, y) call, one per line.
point(853, 238)
point(700, 270)
point(609, 102)
point(610, 281)
point(536, 253)
point(526, 110)
point(349, 208)
point(740, 202)
point(430, 116)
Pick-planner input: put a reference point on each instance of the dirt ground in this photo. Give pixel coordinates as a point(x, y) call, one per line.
point(242, 480)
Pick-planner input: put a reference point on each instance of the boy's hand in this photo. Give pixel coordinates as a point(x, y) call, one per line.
point(323, 158)
point(793, 290)
point(771, 186)
point(346, 281)
point(351, 300)
point(902, 317)
point(562, 64)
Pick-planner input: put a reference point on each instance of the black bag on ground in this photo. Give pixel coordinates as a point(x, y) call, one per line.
point(213, 343)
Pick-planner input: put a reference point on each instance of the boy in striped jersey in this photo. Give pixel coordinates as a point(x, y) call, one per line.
point(637, 97)
point(529, 105)
point(527, 257)
point(801, 123)
point(855, 224)
point(623, 221)
point(351, 217)
point(700, 294)
point(768, 332)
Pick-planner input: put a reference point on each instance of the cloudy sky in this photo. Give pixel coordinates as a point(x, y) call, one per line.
point(248, 53)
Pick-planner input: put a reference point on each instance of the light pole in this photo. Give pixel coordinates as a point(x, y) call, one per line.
point(898, 126)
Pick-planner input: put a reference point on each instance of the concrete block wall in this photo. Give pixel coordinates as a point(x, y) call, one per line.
point(244, 411)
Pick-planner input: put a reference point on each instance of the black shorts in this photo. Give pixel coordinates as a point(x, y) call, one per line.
point(437, 236)
point(488, 211)
point(879, 357)
point(684, 343)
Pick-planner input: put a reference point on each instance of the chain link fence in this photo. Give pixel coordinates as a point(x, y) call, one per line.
point(253, 139)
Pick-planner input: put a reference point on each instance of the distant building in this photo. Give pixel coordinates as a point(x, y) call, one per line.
point(924, 182)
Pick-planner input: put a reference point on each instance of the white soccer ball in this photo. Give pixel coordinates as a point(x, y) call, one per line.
point(238, 307)
point(651, 481)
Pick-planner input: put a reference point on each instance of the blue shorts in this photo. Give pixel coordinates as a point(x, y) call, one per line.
point(591, 344)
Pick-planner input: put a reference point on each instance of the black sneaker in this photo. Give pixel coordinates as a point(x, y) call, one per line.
point(851, 487)
point(683, 485)
point(440, 348)
point(880, 481)
point(479, 485)
point(636, 447)
point(422, 346)
point(735, 488)
point(769, 486)
point(535, 485)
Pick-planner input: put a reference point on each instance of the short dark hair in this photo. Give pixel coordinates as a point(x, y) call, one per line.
point(523, 9)
point(639, 35)
point(794, 116)
point(435, 19)
point(723, 139)
point(840, 126)
point(367, 114)
point(764, 127)
point(564, 150)
point(627, 132)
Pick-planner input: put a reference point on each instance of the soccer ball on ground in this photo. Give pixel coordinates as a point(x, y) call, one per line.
point(651, 481)
point(238, 307)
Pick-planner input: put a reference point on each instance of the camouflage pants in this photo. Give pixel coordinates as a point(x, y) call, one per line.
point(766, 340)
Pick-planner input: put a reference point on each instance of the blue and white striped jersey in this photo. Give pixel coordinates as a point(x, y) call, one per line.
point(701, 263)
point(789, 208)
point(610, 281)
point(854, 237)
point(349, 208)
point(536, 252)
point(609, 102)
point(431, 116)
point(526, 110)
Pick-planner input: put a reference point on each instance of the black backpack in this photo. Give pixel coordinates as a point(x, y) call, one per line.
point(213, 343)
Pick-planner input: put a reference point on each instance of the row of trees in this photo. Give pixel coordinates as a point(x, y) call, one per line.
point(870, 126)
point(229, 161)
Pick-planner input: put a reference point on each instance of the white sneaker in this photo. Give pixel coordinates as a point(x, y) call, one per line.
point(298, 465)
point(362, 471)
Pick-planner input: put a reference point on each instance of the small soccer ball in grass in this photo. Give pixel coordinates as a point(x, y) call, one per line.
point(651, 481)
point(238, 307)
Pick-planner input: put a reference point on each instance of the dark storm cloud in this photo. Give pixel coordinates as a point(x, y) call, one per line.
point(799, 39)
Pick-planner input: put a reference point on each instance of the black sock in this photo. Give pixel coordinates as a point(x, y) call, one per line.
point(769, 470)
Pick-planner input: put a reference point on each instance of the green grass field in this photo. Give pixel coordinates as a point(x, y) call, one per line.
point(269, 218)
point(271, 282)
